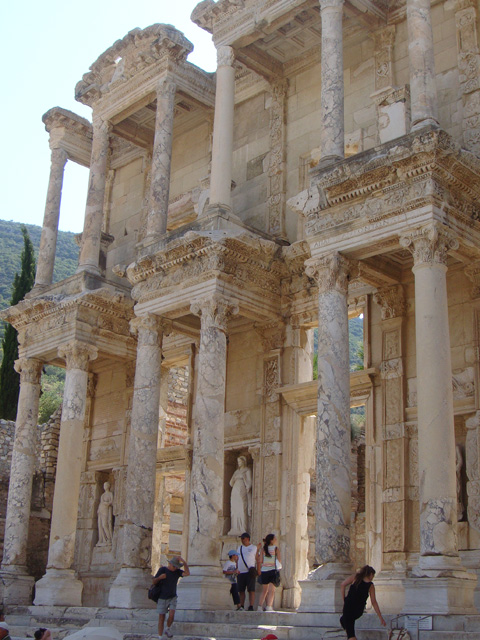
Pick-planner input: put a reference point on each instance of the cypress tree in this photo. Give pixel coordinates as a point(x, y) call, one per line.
point(9, 378)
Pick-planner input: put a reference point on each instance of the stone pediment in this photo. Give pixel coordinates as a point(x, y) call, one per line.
point(139, 49)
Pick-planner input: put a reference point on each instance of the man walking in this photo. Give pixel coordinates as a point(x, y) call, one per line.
point(247, 570)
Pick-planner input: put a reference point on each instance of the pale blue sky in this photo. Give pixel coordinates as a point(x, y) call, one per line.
point(45, 48)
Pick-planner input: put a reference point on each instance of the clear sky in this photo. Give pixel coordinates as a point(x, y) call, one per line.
point(45, 49)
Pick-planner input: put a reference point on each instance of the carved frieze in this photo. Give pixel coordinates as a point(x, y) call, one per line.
point(392, 301)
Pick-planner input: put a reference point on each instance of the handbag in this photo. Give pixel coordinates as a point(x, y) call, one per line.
point(155, 591)
point(277, 581)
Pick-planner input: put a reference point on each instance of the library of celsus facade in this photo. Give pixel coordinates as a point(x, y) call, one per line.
point(329, 169)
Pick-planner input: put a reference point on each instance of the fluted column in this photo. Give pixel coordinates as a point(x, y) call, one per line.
point(59, 586)
point(423, 88)
point(161, 159)
point(222, 152)
point(204, 588)
point(333, 466)
point(92, 229)
point(332, 140)
point(450, 588)
point(48, 239)
point(17, 584)
point(129, 587)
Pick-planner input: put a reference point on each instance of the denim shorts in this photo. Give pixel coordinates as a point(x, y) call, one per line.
point(166, 604)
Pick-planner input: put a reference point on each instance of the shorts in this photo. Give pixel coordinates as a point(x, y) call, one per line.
point(246, 581)
point(166, 604)
point(267, 577)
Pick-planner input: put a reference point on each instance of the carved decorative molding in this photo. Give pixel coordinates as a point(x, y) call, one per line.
point(392, 301)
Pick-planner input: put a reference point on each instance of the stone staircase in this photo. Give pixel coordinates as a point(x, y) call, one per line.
point(141, 624)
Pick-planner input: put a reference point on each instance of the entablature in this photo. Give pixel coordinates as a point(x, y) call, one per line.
point(70, 132)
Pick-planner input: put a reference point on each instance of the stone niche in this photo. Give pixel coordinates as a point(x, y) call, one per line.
point(231, 536)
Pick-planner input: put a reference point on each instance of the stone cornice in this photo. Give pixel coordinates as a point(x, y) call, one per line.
point(70, 132)
point(58, 117)
point(425, 168)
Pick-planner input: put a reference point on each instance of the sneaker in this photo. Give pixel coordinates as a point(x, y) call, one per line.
point(268, 608)
point(250, 608)
point(240, 609)
point(259, 608)
point(168, 632)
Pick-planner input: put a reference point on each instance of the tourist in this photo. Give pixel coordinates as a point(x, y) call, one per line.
point(356, 599)
point(42, 634)
point(167, 600)
point(4, 630)
point(230, 571)
point(247, 572)
point(269, 564)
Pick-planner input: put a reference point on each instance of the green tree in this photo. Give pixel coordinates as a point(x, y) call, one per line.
point(9, 378)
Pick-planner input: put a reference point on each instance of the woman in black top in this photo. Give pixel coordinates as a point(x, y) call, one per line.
point(356, 599)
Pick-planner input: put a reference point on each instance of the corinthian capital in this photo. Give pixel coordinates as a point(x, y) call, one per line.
point(225, 56)
point(150, 328)
point(101, 127)
point(30, 370)
point(214, 312)
point(166, 87)
point(429, 244)
point(334, 4)
point(329, 272)
point(77, 354)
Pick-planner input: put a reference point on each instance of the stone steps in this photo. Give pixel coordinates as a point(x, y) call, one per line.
point(141, 624)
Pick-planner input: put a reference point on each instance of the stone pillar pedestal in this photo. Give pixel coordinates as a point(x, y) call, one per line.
point(16, 584)
point(89, 257)
point(59, 586)
point(423, 88)
point(332, 141)
point(333, 505)
point(439, 569)
point(48, 240)
point(161, 159)
point(205, 587)
point(222, 151)
point(129, 589)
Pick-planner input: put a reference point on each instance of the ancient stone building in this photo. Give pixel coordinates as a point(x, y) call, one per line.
point(330, 168)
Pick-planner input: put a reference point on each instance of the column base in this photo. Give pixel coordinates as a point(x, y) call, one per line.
point(130, 588)
point(321, 590)
point(16, 586)
point(59, 587)
point(442, 595)
point(205, 588)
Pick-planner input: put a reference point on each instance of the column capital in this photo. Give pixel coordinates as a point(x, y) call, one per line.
point(392, 301)
point(214, 311)
point(30, 369)
point(77, 354)
point(225, 56)
point(150, 326)
point(58, 157)
point(331, 4)
point(429, 244)
point(101, 126)
point(330, 272)
point(166, 86)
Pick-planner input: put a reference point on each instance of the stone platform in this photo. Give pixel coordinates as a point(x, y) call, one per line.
point(140, 624)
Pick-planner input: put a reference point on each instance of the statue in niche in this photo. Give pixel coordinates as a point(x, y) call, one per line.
point(241, 498)
point(458, 467)
point(105, 517)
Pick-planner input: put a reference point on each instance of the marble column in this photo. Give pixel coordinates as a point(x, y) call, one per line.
point(423, 88)
point(130, 586)
point(332, 140)
point(161, 159)
point(204, 588)
point(222, 151)
point(439, 558)
point(333, 467)
point(48, 240)
point(59, 586)
point(16, 582)
point(92, 229)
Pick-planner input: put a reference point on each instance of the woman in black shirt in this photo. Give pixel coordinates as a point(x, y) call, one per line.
point(356, 599)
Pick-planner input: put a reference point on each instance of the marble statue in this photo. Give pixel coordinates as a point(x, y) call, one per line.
point(105, 519)
point(241, 498)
